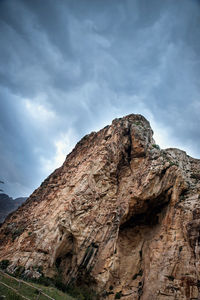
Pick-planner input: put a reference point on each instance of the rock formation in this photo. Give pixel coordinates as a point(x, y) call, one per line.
point(120, 215)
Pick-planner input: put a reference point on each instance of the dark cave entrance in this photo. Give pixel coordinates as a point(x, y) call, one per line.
point(150, 214)
point(64, 255)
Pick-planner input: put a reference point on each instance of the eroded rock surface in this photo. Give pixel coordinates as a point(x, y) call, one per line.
point(120, 215)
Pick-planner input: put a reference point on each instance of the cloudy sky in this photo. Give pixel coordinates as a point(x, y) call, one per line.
point(69, 67)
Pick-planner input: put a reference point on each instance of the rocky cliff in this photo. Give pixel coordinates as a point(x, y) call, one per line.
point(120, 215)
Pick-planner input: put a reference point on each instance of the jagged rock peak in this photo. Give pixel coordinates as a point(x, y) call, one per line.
point(120, 215)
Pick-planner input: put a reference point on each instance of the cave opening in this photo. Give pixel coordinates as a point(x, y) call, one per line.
point(64, 255)
point(150, 214)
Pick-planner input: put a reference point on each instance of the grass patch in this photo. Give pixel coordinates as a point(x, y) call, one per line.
point(9, 294)
point(30, 292)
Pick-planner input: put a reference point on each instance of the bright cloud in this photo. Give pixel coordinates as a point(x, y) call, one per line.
point(38, 111)
point(63, 146)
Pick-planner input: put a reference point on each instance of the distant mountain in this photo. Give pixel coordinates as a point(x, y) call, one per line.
point(8, 204)
point(19, 201)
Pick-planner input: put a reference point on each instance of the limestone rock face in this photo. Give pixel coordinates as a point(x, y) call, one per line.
point(120, 215)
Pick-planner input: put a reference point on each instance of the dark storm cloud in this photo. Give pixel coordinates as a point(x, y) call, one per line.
point(70, 67)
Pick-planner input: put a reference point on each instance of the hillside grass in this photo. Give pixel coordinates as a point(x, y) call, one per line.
point(28, 291)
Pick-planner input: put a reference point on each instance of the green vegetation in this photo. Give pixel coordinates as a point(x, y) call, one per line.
point(118, 295)
point(155, 146)
point(17, 232)
point(28, 291)
point(168, 158)
point(31, 288)
point(9, 294)
point(81, 292)
point(53, 287)
point(173, 163)
point(138, 123)
point(4, 264)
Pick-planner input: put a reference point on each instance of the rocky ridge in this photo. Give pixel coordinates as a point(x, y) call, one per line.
point(120, 215)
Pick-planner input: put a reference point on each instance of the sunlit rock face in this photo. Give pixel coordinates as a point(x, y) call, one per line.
point(120, 215)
